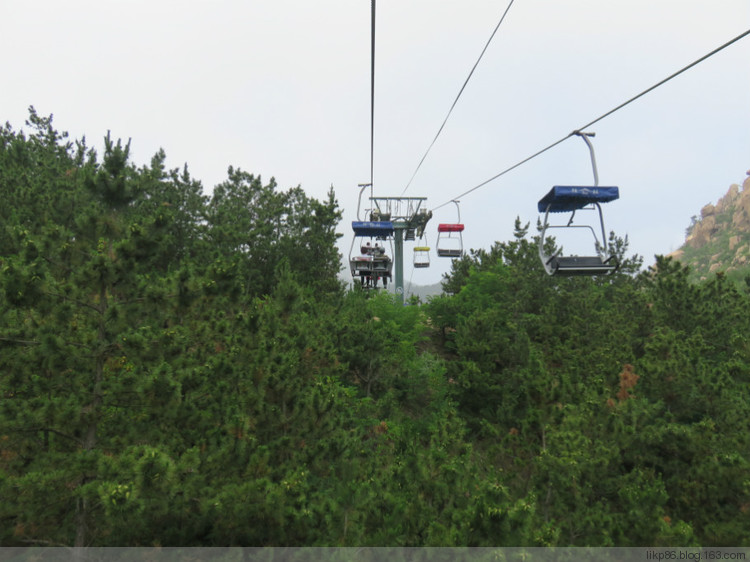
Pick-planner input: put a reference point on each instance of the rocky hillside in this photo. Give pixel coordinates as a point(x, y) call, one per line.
point(719, 240)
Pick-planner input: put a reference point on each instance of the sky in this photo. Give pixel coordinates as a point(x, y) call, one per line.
point(281, 88)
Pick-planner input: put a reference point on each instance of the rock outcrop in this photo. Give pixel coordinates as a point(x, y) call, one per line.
point(719, 240)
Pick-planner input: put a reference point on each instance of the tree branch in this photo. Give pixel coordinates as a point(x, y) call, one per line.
point(19, 342)
point(76, 301)
point(51, 430)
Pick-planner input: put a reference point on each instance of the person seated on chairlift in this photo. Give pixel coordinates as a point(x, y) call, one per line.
point(366, 249)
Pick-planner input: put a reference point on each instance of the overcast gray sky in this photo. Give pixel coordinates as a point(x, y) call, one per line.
point(282, 88)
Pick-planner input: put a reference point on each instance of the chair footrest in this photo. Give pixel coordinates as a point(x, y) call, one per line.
point(581, 265)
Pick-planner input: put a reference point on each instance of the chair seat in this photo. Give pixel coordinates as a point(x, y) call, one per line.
point(581, 265)
point(448, 253)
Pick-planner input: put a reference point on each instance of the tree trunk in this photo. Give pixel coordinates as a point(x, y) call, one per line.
point(89, 440)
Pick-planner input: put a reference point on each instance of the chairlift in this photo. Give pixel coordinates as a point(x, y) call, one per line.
point(372, 263)
point(421, 256)
point(564, 199)
point(450, 240)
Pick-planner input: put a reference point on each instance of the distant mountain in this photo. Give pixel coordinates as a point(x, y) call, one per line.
point(719, 240)
point(425, 291)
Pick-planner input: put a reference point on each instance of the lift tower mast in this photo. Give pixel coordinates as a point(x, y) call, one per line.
point(409, 220)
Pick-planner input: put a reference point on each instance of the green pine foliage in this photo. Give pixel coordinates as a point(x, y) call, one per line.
point(179, 369)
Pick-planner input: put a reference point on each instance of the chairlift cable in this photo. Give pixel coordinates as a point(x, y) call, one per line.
point(461, 91)
point(601, 117)
point(372, 96)
point(408, 290)
point(667, 79)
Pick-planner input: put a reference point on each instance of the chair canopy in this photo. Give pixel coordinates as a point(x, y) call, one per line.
point(372, 228)
point(455, 227)
point(563, 198)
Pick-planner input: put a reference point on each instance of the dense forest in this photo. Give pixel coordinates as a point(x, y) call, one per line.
point(184, 369)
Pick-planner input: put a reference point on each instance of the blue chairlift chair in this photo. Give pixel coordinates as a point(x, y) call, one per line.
point(372, 262)
point(570, 199)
